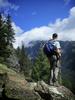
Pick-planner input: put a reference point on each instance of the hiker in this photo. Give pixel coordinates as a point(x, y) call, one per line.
point(52, 50)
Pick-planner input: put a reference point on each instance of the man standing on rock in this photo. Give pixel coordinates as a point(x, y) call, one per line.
point(52, 49)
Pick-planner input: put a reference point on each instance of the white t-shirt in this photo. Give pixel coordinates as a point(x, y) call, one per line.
point(56, 44)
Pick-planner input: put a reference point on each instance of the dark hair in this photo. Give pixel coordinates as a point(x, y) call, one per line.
point(54, 35)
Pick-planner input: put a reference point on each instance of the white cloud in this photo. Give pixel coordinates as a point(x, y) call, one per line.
point(72, 11)
point(41, 33)
point(65, 28)
point(17, 29)
point(6, 4)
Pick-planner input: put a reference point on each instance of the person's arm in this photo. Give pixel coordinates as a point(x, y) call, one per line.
point(59, 52)
point(58, 49)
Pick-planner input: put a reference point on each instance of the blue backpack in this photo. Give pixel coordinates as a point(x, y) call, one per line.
point(49, 48)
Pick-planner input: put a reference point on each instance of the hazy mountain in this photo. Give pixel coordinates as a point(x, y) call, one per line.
point(32, 51)
point(67, 60)
point(68, 53)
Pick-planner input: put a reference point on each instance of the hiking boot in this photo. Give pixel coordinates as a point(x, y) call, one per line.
point(51, 83)
point(56, 84)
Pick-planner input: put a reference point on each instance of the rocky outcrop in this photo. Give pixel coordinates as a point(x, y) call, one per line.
point(48, 92)
point(35, 91)
point(13, 86)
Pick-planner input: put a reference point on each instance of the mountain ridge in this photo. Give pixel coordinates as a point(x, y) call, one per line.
point(67, 60)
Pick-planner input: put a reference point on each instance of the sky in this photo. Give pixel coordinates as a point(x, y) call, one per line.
point(38, 19)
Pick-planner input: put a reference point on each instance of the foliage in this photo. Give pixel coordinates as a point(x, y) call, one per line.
point(5, 69)
point(41, 67)
point(6, 36)
point(24, 61)
point(10, 31)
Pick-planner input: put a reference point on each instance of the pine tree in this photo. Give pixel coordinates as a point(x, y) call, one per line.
point(10, 31)
point(41, 67)
point(3, 35)
point(6, 36)
point(24, 61)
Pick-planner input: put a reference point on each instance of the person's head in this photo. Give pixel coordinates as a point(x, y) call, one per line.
point(55, 36)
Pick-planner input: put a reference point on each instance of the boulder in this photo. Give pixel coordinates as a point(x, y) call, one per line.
point(48, 92)
point(13, 86)
point(35, 91)
point(18, 92)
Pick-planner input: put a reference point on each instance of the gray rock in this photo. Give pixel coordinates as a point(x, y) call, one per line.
point(15, 87)
point(48, 92)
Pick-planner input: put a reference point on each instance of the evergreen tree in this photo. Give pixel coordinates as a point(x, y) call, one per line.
point(18, 52)
point(6, 36)
point(10, 31)
point(41, 67)
point(24, 61)
point(3, 36)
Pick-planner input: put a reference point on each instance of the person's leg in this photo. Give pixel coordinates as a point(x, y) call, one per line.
point(59, 66)
point(55, 69)
point(51, 77)
point(56, 73)
point(51, 70)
